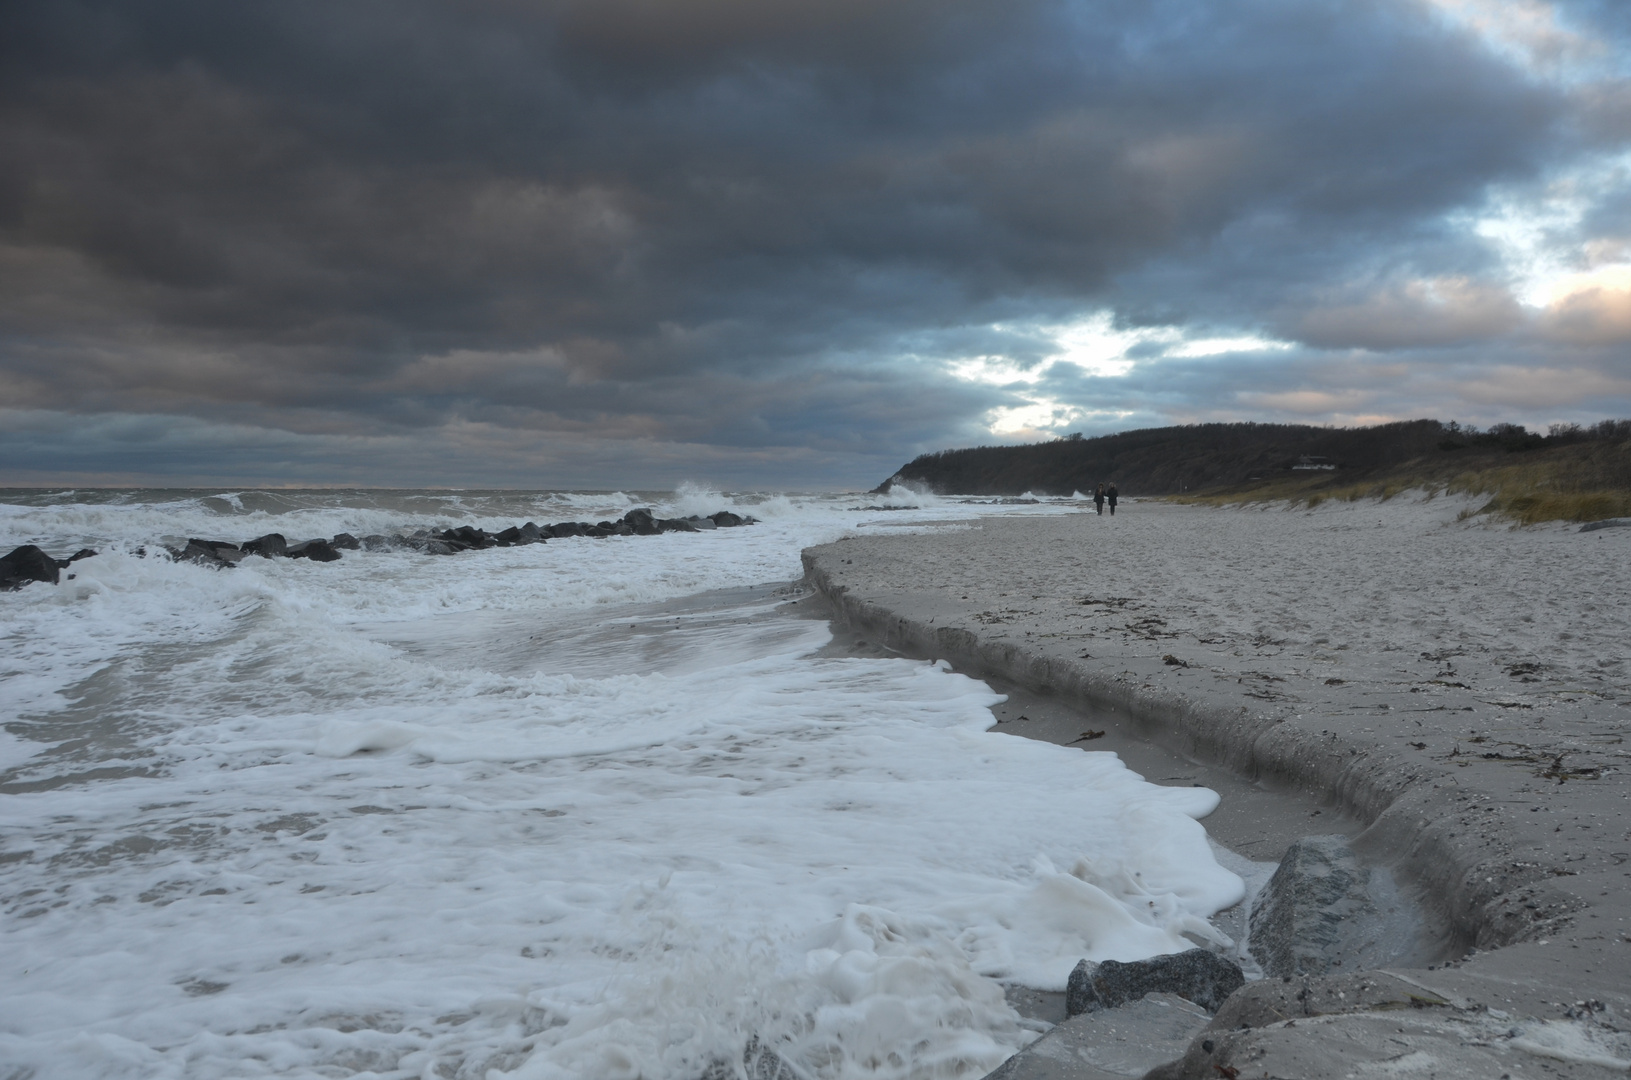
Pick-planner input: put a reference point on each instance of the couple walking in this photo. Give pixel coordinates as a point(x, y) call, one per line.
point(1103, 495)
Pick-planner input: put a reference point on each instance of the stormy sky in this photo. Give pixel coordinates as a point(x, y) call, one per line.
point(789, 243)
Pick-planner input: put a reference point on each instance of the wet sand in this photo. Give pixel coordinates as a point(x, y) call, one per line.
point(1453, 693)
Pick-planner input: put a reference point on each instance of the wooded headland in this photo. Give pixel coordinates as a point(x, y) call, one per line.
point(1571, 473)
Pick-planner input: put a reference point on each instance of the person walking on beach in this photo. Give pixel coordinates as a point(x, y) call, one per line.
point(1098, 498)
point(1110, 497)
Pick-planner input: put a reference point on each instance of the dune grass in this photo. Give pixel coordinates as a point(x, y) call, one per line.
point(1580, 482)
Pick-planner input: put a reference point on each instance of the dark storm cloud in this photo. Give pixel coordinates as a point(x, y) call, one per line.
point(729, 223)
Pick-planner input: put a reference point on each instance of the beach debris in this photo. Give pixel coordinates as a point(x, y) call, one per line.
point(1150, 627)
point(1086, 736)
point(1606, 523)
point(1198, 975)
point(1557, 771)
point(1173, 661)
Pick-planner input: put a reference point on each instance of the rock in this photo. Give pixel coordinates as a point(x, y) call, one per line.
point(531, 534)
point(269, 545)
point(1111, 1043)
point(641, 522)
point(27, 563)
point(726, 520)
point(1608, 523)
point(1338, 1027)
point(705, 524)
point(1198, 975)
point(315, 550)
point(377, 542)
point(677, 525)
point(568, 528)
point(217, 553)
point(469, 536)
point(82, 553)
point(440, 547)
point(507, 537)
point(1322, 910)
point(346, 541)
point(598, 531)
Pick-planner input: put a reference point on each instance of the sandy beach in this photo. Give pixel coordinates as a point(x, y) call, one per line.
point(1455, 688)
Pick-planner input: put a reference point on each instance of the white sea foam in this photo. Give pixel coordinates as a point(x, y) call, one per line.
point(581, 809)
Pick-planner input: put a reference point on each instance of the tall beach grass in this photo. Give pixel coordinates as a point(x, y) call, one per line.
point(1580, 482)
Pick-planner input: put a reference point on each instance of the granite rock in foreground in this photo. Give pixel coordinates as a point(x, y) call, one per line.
point(1111, 1043)
point(1197, 975)
point(1323, 910)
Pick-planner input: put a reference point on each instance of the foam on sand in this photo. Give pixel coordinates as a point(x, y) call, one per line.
point(292, 819)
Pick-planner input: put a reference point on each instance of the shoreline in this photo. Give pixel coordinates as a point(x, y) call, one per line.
point(1486, 768)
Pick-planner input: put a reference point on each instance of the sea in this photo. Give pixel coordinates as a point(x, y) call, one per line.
point(592, 808)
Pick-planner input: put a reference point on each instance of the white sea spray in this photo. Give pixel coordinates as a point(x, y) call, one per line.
point(580, 809)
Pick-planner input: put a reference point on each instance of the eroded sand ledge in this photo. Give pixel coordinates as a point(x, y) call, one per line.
point(1461, 689)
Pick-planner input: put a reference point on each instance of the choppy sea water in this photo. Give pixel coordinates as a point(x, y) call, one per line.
point(590, 808)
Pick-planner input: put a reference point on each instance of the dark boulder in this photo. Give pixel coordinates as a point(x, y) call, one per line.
point(440, 547)
point(702, 523)
point(346, 542)
point(217, 553)
point(507, 537)
point(315, 550)
point(677, 525)
point(726, 520)
point(25, 564)
point(469, 536)
point(598, 531)
point(269, 545)
point(378, 542)
point(1198, 975)
point(82, 553)
point(641, 521)
point(567, 528)
point(531, 534)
